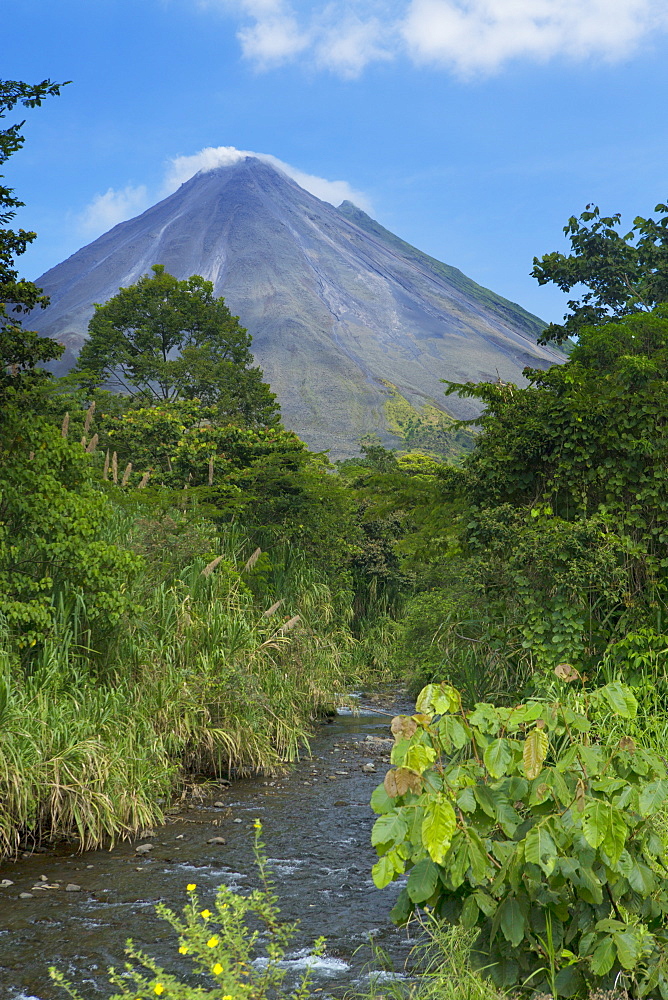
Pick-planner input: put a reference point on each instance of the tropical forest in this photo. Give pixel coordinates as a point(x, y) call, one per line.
point(189, 595)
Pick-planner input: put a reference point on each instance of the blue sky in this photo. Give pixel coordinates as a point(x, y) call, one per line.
point(471, 128)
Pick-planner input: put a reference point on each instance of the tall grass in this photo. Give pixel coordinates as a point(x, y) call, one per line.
point(440, 970)
point(200, 681)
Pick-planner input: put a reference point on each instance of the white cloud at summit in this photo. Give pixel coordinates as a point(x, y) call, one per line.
point(114, 206)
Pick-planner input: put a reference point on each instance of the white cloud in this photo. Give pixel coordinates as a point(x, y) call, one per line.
point(274, 37)
point(108, 209)
point(482, 35)
point(181, 168)
point(348, 45)
point(465, 36)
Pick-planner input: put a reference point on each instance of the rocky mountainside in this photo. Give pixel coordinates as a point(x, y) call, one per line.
point(344, 315)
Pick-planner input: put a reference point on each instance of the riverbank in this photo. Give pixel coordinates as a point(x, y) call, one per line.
point(207, 681)
point(317, 824)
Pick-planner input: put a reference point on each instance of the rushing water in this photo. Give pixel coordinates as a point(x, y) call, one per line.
point(316, 829)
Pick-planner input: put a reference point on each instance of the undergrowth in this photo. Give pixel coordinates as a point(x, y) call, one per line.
point(204, 679)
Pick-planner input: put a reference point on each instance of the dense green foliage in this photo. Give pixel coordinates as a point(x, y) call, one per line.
point(164, 339)
point(517, 821)
point(624, 274)
point(20, 350)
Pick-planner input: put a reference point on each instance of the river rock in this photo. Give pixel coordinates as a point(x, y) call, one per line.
point(26, 895)
point(219, 805)
point(216, 840)
point(5, 882)
point(144, 848)
point(72, 887)
point(368, 768)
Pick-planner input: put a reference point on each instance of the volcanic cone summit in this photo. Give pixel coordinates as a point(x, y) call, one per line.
point(343, 314)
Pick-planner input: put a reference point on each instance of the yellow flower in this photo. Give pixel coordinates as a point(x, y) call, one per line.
point(212, 942)
point(257, 824)
point(206, 914)
point(228, 997)
point(158, 988)
point(191, 886)
point(217, 969)
point(183, 950)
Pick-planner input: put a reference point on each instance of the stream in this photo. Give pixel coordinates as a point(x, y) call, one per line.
point(316, 826)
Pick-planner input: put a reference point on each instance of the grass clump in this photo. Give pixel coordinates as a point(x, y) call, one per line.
point(202, 679)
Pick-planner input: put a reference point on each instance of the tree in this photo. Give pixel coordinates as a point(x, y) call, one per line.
point(20, 350)
point(165, 339)
point(624, 273)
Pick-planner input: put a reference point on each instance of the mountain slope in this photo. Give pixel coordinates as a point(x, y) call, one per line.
point(337, 306)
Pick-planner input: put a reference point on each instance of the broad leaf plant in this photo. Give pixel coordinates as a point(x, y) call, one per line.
point(520, 823)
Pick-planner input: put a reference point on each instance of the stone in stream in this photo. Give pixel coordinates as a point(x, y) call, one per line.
point(368, 768)
point(219, 805)
point(144, 848)
point(216, 840)
point(72, 887)
point(26, 895)
point(5, 882)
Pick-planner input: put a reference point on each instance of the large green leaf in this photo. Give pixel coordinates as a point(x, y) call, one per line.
point(469, 914)
point(389, 829)
point(603, 826)
point(422, 881)
point(486, 800)
point(604, 956)
point(540, 848)
point(642, 878)
point(425, 699)
point(446, 699)
point(457, 861)
point(466, 800)
point(419, 757)
point(591, 889)
point(620, 699)
point(534, 752)
point(512, 921)
point(383, 871)
point(629, 947)
point(438, 827)
point(652, 796)
point(479, 862)
point(452, 732)
point(497, 757)
point(439, 699)
point(381, 801)
point(595, 822)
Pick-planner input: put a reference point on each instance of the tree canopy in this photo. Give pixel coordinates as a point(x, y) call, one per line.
point(624, 274)
point(163, 339)
point(20, 350)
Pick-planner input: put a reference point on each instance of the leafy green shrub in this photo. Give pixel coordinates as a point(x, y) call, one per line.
point(222, 946)
point(443, 633)
point(516, 822)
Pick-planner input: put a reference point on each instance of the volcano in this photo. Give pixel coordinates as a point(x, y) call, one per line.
point(344, 315)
